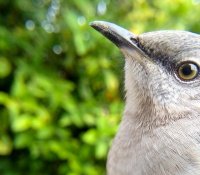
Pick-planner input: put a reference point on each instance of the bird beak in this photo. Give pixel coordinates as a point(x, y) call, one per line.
point(122, 38)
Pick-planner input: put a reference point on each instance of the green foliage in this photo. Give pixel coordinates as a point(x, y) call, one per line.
point(61, 91)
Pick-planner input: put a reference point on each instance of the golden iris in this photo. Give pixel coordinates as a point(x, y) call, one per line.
point(188, 71)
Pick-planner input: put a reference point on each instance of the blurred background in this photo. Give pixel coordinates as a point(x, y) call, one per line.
point(61, 82)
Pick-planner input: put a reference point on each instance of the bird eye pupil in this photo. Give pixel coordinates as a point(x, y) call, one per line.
point(188, 71)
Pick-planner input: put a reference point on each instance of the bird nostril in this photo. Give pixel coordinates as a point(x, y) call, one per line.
point(134, 40)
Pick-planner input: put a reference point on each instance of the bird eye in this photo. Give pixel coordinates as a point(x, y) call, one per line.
point(188, 71)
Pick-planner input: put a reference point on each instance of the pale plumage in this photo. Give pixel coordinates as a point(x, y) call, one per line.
point(160, 130)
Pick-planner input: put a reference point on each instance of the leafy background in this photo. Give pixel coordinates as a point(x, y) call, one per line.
point(61, 83)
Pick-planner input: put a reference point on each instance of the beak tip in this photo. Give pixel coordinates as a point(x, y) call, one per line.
point(100, 26)
point(96, 23)
point(93, 23)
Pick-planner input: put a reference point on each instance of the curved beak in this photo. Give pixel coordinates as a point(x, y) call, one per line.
point(121, 37)
point(124, 39)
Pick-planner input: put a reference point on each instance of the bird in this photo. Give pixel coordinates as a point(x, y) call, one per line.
point(159, 133)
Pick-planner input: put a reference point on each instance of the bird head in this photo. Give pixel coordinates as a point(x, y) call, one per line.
point(161, 72)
